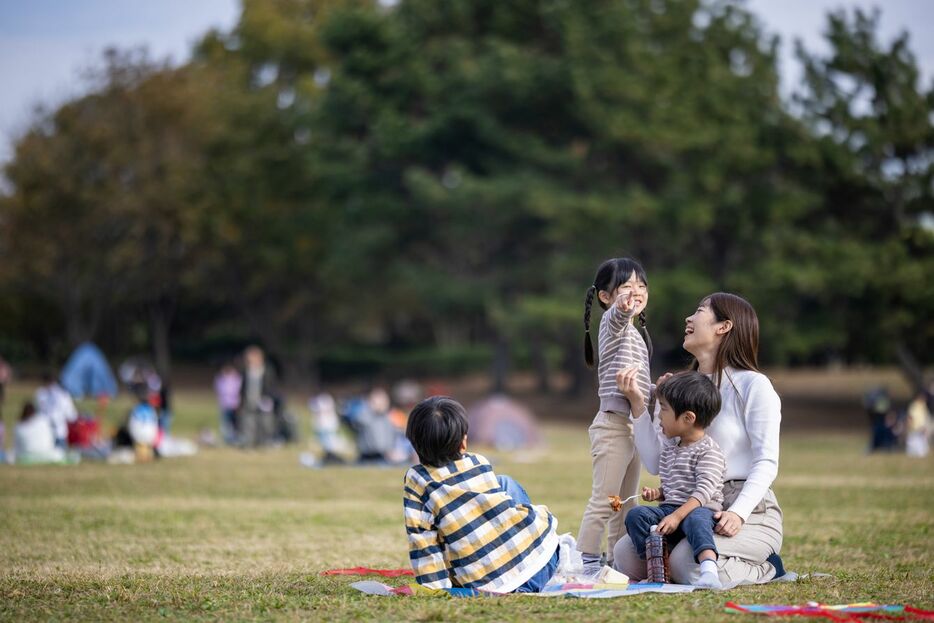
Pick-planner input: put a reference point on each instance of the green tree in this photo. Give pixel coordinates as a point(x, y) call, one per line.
point(869, 241)
point(268, 227)
point(336, 175)
point(509, 148)
point(104, 189)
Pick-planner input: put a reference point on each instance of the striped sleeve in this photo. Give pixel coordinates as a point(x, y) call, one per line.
point(426, 548)
point(617, 319)
point(711, 466)
point(621, 346)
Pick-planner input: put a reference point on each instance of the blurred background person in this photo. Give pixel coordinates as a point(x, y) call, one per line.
point(137, 374)
point(227, 386)
point(35, 440)
point(258, 394)
point(405, 395)
point(882, 419)
point(918, 426)
point(368, 417)
point(164, 408)
point(137, 439)
point(55, 403)
point(326, 425)
point(2, 441)
point(5, 374)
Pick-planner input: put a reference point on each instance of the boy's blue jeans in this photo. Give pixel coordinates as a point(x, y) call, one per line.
point(537, 582)
point(697, 527)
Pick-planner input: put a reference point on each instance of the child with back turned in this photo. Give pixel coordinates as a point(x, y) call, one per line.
point(466, 526)
point(690, 464)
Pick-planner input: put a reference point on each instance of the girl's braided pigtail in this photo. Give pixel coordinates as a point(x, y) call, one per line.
point(588, 345)
point(644, 330)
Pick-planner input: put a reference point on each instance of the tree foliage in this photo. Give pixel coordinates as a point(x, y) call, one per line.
point(349, 175)
point(868, 241)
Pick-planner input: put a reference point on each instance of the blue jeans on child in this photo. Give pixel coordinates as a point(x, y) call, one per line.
point(537, 582)
point(697, 527)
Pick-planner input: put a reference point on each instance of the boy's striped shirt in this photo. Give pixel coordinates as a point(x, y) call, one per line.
point(695, 470)
point(464, 530)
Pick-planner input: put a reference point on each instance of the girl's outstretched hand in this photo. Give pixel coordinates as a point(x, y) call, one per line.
point(650, 494)
point(625, 303)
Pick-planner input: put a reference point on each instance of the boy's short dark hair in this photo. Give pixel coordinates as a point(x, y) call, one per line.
point(692, 391)
point(436, 428)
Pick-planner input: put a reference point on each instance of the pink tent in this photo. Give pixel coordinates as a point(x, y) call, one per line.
point(502, 423)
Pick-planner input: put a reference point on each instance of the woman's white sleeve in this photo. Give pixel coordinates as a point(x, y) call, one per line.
point(763, 417)
point(648, 440)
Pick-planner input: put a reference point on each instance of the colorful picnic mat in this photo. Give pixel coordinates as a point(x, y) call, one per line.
point(386, 573)
point(584, 591)
point(587, 591)
point(845, 612)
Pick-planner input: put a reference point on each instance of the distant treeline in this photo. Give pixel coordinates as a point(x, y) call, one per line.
point(428, 187)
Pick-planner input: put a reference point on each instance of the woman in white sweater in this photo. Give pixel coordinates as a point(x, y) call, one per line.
point(723, 336)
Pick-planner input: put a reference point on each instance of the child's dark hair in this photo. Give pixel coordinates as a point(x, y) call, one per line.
point(611, 275)
point(692, 391)
point(436, 428)
point(29, 410)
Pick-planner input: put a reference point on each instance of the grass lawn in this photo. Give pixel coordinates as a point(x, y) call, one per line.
point(243, 535)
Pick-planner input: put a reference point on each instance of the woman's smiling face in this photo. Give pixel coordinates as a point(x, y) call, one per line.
point(700, 331)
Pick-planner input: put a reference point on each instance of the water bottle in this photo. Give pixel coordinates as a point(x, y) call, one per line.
point(656, 557)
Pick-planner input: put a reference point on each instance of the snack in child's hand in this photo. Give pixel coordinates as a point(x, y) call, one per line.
point(616, 503)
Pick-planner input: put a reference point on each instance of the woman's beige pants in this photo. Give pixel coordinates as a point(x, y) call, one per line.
point(741, 558)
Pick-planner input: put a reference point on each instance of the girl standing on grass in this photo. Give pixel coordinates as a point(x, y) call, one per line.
point(621, 289)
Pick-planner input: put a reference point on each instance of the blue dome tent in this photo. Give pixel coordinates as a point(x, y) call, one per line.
point(87, 373)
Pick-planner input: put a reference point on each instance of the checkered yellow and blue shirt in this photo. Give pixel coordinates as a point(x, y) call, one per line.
point(464, 530)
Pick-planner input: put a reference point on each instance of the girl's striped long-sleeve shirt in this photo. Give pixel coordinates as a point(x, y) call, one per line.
point(621, 346)
point(464, 530)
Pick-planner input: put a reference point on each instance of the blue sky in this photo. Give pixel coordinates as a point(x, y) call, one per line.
point(44, 44)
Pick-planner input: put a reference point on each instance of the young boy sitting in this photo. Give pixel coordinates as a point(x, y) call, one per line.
point(690, 464)
point(466, 526)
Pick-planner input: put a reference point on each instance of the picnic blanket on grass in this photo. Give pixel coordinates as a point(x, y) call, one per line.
point(585, 591)
point(843, 613)
point(575, 589)
point(386, 573)
point(564, 584)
